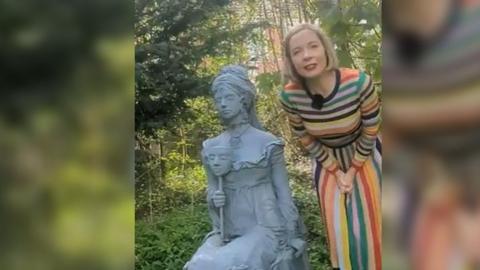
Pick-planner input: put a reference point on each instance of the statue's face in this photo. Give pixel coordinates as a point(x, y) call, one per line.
point(228, 103)
point(219, 160)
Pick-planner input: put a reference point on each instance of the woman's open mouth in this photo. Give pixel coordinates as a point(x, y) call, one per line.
point(310, 67)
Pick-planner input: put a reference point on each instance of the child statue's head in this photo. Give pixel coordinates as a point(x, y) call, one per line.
point(219, 158)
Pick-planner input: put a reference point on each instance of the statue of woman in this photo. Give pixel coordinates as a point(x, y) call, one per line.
point(260, 222)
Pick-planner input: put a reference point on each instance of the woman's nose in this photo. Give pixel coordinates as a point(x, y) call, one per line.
point(306, 54)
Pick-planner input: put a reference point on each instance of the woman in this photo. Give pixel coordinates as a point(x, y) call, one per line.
point(434, 114)
point(335, 112)
point(260, 219)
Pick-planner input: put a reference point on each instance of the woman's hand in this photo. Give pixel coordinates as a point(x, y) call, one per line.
point(348, 180)
point(218, 198)
point(339, 175)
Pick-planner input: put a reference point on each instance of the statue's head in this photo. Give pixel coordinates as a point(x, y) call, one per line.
point(219, 159)
point(234, 95)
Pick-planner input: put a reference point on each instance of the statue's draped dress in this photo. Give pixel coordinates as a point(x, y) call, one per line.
point(258, 204)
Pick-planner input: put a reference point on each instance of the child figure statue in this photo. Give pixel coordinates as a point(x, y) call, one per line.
point(219, 159)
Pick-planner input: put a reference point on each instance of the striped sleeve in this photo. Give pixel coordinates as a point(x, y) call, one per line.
point(309, 142)
point(371, 119)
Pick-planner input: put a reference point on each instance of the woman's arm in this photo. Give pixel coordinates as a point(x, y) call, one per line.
point(371, 119)
point(414, 116)
point(310, 143)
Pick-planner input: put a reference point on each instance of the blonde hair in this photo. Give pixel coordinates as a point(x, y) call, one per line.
point(289, 71)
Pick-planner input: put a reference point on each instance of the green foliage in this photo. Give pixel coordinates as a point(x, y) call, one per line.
point(177, 189)
point(267, 82)
point(183, 183)
point(169, 242)
point(166, 46)
point(180, 44)
point(200, 122)
point(168, 169)
point(185, 189)
point(354, 27)
point(66, 118)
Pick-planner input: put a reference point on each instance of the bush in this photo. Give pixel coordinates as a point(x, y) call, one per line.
point(169, 242)
point(176, 190)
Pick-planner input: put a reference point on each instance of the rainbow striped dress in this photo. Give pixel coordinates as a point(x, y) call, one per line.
point(344, 133)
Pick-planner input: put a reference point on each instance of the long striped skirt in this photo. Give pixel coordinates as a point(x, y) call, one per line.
point(353, 221)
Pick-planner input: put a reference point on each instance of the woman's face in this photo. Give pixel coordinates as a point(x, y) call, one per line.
point(228, 103)
point(307, 54)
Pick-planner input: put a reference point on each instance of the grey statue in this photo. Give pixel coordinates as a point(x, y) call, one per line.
point(256, 225)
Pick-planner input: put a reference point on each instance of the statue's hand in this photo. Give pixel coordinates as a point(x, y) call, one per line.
point(299, 245)
point(281, 235)
point(218, 198)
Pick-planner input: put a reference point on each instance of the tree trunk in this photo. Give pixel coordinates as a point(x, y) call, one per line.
point(184, 149)
point(150, 203)
point(272, 44)
point(287, 10)
point(281, 26)
point(299, 10)
point(304, 10)
point(161, 150)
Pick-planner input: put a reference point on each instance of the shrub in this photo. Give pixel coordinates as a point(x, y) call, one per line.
point(168, 242)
